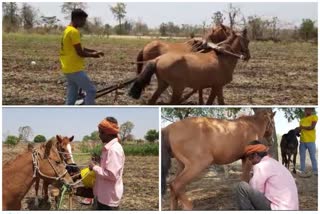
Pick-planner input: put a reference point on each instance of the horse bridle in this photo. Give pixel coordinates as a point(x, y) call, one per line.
point(36, 165)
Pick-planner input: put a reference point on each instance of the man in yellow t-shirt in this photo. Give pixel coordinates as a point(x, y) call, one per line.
point(307, 130)
point(72, 60)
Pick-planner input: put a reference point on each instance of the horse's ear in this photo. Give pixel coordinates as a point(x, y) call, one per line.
point(245, 32)
point(223, 27)
point(71, 138)
point(59, 138)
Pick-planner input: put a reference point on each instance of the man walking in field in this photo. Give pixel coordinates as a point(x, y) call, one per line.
point(72, 60)
point(108, 187)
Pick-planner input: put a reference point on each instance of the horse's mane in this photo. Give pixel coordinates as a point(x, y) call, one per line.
point(48, 145)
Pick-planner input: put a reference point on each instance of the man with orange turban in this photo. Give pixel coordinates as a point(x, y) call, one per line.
point(271, 187)
point(108, 188)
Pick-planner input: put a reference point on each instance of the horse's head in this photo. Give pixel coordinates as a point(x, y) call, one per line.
point(241, 44)
point(52, 164)
point(218, 34)
point(65, 149)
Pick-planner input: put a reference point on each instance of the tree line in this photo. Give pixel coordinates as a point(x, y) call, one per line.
point(28, 18)
point(25, 133)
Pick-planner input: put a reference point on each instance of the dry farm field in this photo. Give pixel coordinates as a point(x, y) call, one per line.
point(281, 73)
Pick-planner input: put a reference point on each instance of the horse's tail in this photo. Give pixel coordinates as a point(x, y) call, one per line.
point(139, 62)
point(165, 159)
point(143, 80)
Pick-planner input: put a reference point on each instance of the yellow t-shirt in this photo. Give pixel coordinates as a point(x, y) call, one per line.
point(308, 136)
point(70, 61)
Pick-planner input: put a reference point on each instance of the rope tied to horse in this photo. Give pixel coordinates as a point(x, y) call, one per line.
point(36, 166)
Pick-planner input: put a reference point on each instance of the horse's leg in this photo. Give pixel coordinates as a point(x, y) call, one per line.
point(220, 96)
point(176, 95)
point(162, 86)
point(294, 163)
point(36, 187)
point(246, 167)
point(201, 97)
point(185, 177)
point(179, 168)
point(212, 96)
point(45, 190)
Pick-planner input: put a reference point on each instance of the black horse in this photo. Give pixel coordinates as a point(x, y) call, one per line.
point(289, 146)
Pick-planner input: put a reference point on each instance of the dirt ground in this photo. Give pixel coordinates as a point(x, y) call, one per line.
point(277, 74)
point(141, 189)
point(214, 191)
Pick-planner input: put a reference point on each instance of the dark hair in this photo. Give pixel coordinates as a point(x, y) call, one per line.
point(112, 120)
point(78, 13)
point(262, 154)
point(255, 142)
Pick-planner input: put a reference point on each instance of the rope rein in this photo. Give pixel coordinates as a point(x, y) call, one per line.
point(36, 165)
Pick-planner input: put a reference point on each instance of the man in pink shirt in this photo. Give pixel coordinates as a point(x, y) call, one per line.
point(271, 187)
point(108, 188)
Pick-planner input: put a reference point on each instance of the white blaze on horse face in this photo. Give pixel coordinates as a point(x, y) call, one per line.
point(69, 149)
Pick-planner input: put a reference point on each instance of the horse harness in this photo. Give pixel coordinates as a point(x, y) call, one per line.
point(36, 165)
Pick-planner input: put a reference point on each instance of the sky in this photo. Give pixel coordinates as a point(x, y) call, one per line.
point(154, 13)
point(75, 121)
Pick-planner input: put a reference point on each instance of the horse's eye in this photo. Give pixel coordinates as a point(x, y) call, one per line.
point(58, 162)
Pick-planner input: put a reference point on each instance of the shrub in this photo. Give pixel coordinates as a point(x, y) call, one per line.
point(11, 140)
point(39, 139)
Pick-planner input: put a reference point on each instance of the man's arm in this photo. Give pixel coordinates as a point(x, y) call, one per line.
point(313, 125)
point(83, 53)
point(89, 50)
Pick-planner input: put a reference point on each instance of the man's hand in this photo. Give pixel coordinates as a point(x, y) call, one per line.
point(92, 164)
point(97, 54)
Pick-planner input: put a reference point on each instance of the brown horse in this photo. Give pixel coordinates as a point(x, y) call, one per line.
point(65, 152)
point(157, 48)
point(199, 142)
point(21, 173)
point(194, 70)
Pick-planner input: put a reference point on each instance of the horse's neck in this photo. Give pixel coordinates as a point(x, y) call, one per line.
point(18, 177)
point(261, 125)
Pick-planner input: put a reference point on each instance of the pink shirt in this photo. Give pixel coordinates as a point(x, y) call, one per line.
point(108, 187)
point(276, 183)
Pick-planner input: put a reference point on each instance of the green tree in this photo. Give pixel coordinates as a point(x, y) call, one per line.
point(163, 29)
point(28, 16)
point(39, 139)
point(11, 140)
point(125, 130)
point(107, 30)
point(119, 13)
point(86, 138)
point(307, 28)
point(68, 7)
point(10, 17)
point(152, 135)
point(95, 136)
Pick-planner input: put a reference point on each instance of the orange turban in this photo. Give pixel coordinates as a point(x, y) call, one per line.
point(255, 148)
point(109, 127)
